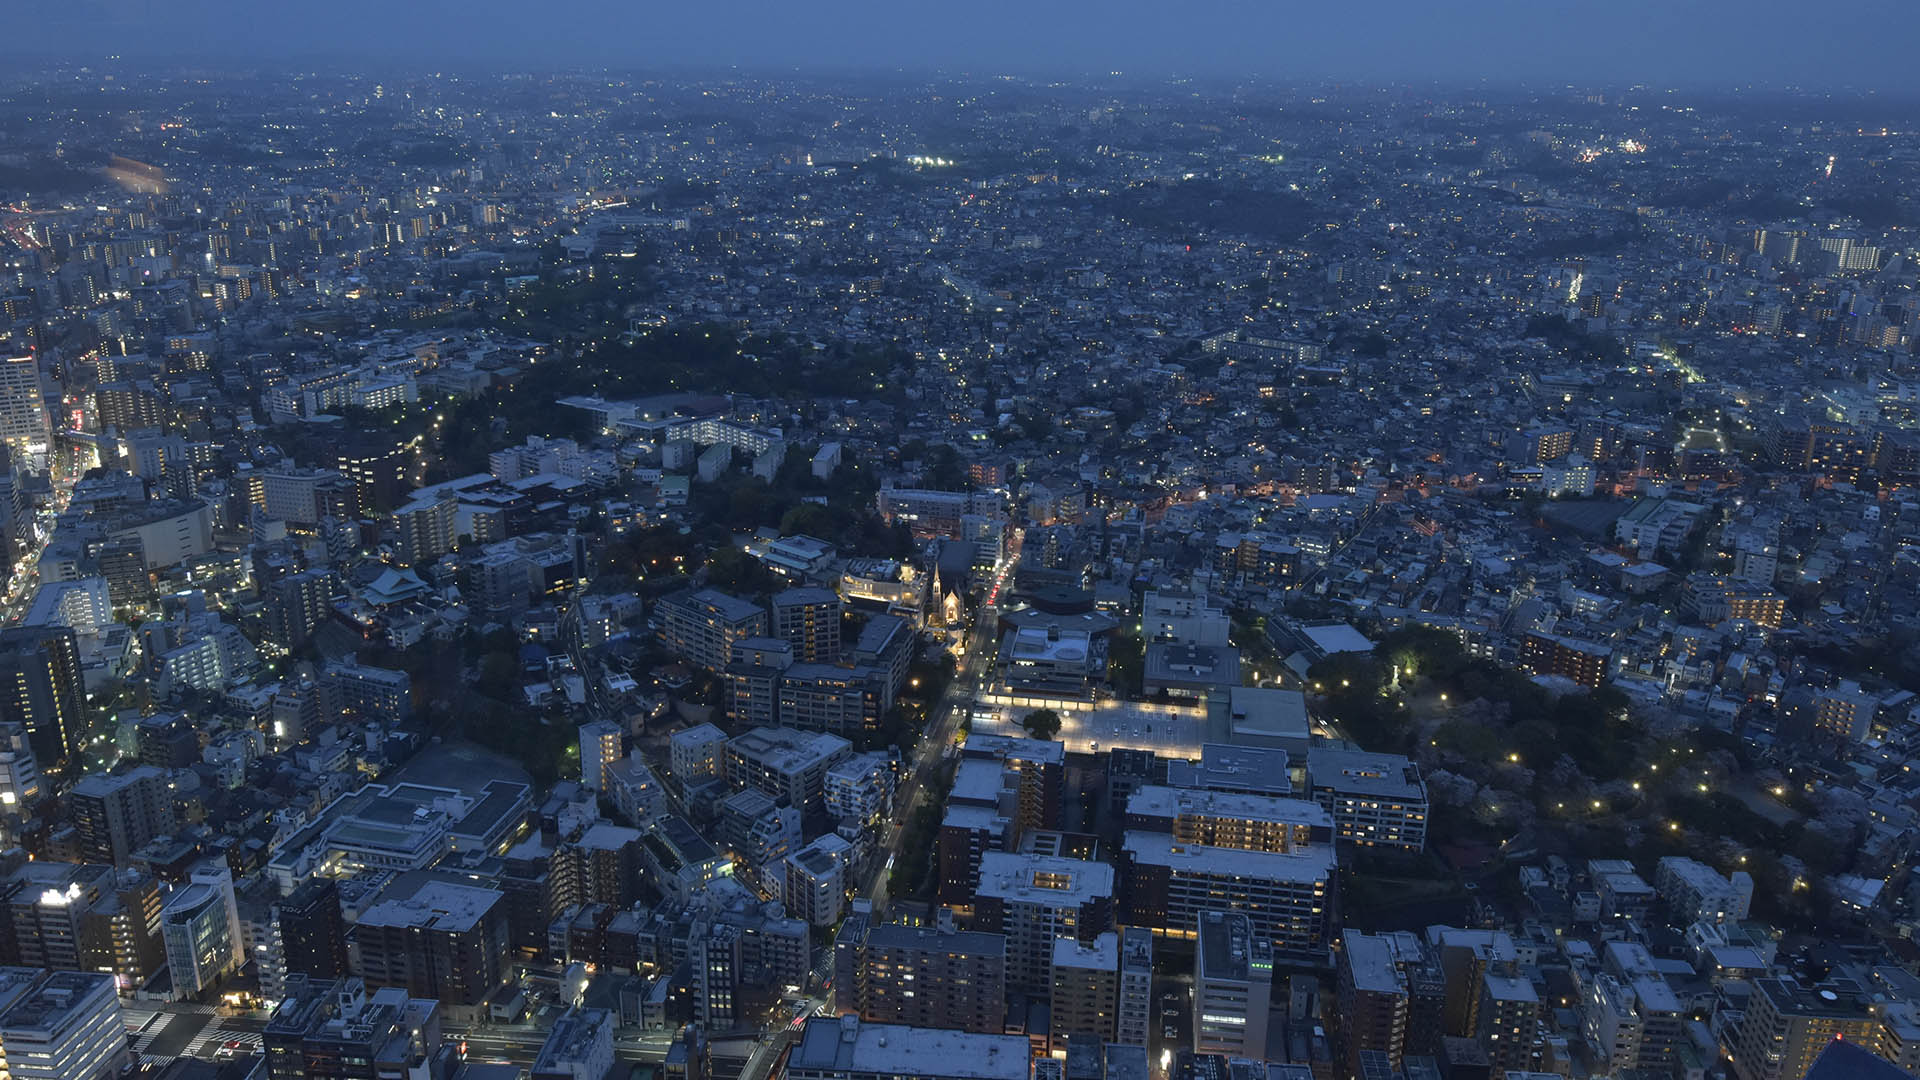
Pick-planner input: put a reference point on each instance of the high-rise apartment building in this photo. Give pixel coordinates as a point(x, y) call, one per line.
point(602, 743)
point(1170, 884)
point(116, 814)
point(24, 427)
point(808, 618)
point(1085, 997)
point(43, 690)
point(930, 977)
point(446, 941)
point(1374, 1002)
point(1787, 1024)
point(703, 626)
point(83, 917)
point(1034, 899)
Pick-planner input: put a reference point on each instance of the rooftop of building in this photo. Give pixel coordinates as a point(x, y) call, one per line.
point(48, 1004)
point(931, 939)
point(1310, 865)
point(1155, 800)
point(805, 595)
point(1228, 948)
point(788, 750)
point(572, 1039)
point(846, 1045)
point(1190, 664)
point(1044, 879)
point(437, 905)
point(1360, 772)
point(1370, 959)
point(1100, 954)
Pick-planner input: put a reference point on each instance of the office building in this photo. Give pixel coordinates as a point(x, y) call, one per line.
point(580, 1047)
point(333, 1030)
point(20, 785)
point(24, 427)
point(1033, 899)
point(201, 928)
point(67, 1027)
point(1133, 1007)
point(1232, 986)
point(115, 815)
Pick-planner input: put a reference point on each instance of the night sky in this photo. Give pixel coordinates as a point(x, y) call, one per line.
point(1686, 43)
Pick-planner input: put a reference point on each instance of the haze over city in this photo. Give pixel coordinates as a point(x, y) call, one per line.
point(1054, 541)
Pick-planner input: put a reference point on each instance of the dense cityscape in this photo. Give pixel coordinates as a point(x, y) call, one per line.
point(598, 577)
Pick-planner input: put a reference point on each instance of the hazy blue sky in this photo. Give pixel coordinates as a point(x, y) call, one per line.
point(1692, 42)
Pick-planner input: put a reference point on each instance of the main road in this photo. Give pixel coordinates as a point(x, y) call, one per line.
point(977, 654)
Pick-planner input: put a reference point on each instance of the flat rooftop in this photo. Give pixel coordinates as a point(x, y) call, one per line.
point(1154, 800)
point(786, 750)
point(1359, 772)
point(438, 905)
point(1192, 665)
point(1229, 949)
point(846, 1045)
point(1336, 638)
point(1100, 954)
point(45, 1006)
point(1167, 729)
point(1371, 959)
point(1044, 879)
point(927, 939)
point(1269, 712)
point(1160, 849)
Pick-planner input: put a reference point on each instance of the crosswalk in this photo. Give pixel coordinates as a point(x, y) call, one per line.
point(206, 1045)
point(211, 1042)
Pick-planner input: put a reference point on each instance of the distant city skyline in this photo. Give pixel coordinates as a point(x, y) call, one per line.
point(1705, 43)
